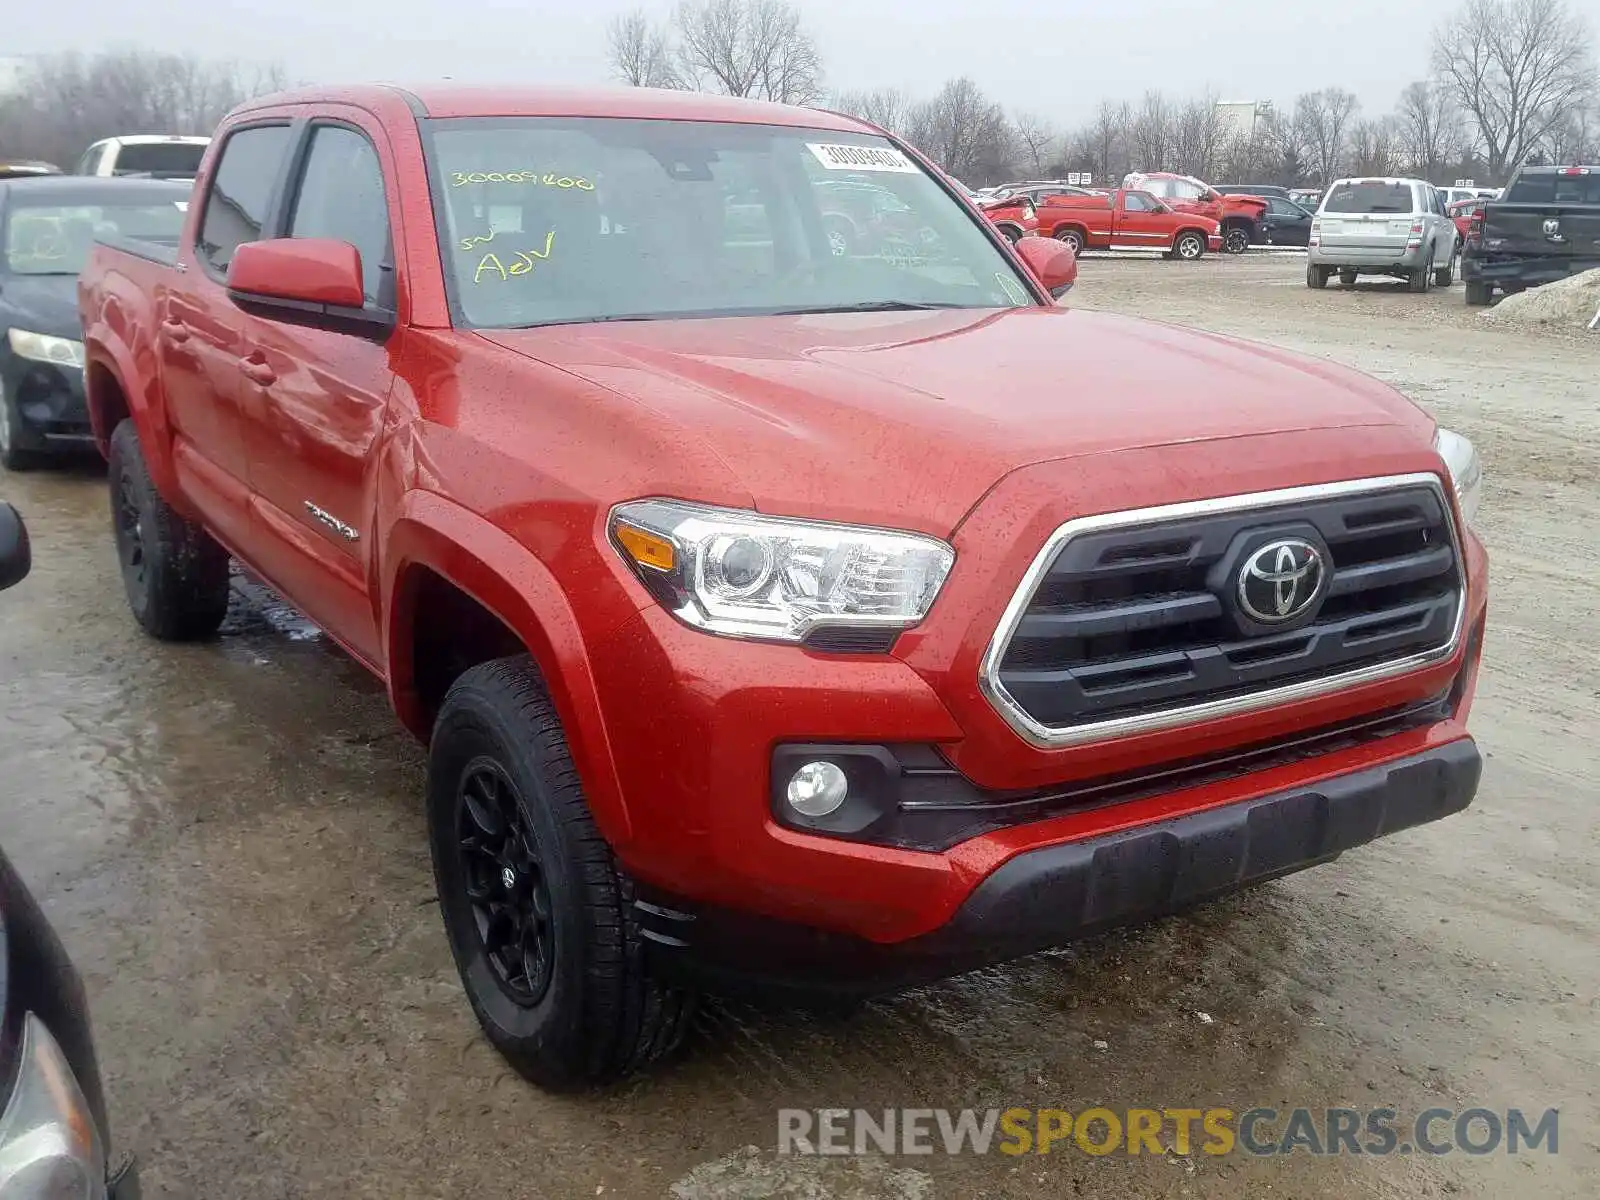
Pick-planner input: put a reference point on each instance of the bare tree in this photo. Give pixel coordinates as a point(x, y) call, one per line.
point(1151, 135)
point(1429, 129)
point(63, 103)
point(1106, 140)
point(751, 48)
point(1518, 68)
point(1375, 147)
point(1036, 141)
point(887, 108)
point(1575, 140)
point(963, 131)
point(1198, 137)
point(639, 52)
point(1321, 121)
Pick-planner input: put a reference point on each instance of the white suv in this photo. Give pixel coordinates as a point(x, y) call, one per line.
point(164, 155)
point(1394, 227)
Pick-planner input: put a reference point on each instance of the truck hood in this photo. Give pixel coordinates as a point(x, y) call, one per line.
point(907, 419)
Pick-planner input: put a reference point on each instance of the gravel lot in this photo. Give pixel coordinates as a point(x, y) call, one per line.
point(230, 840)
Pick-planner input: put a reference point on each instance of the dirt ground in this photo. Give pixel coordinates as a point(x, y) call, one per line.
point(229, 839)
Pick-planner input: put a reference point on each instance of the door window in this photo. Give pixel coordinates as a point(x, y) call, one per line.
point(341, 197)
point(1135, 202)
point(241, 189)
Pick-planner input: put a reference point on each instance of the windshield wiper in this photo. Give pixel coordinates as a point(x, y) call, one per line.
point(868, 306)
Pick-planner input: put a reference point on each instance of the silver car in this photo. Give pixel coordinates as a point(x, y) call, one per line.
point(1394, 227)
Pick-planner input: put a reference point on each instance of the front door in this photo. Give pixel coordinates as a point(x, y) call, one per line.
point(314, 399)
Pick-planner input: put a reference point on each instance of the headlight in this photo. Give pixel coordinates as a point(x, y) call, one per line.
point(48, 1143)
point(42, 347)
point(735, 572)
point(1466, 473)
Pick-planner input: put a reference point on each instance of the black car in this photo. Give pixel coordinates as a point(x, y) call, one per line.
point(1254, 189)
point(53, 1129)
point(47, 225)
point(1286, 223)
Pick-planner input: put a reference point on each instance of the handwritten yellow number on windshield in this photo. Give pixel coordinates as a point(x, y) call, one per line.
point(524, 261)
point(548, 179)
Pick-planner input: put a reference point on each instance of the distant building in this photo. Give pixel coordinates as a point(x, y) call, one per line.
point(1244, 119)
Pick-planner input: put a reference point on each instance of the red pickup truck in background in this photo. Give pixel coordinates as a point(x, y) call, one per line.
point(773, 615)
point(1242, 217)
point(1127, 220)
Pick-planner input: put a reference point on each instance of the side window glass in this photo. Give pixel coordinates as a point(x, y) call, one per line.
point(241, 189)
point(341, 197)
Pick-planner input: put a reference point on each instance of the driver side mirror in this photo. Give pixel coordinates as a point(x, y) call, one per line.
point(305, 281)
point(1053, 263)
point(16, 557)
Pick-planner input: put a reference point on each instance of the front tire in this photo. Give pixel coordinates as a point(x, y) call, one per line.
point(539, 915)
point(174, 572)
point(1189, 246)
point(14, 456)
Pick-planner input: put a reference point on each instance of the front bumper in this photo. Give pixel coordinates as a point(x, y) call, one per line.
point(691, 722)
point(1053, 895)
point(49, 400)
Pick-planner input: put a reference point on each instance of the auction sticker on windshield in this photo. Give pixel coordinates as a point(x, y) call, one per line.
point(862, 158)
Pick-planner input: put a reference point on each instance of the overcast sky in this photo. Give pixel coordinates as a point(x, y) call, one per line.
point(1057, 57)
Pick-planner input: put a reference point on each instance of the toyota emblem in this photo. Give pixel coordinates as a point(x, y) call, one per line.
point(1281, 581)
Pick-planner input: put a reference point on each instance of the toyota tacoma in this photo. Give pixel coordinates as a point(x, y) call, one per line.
point(777, 614)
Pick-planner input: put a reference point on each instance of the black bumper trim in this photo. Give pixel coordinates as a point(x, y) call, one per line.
point(1051, 896)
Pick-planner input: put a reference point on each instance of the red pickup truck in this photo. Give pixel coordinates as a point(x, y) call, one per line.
point(1243, 218)
point(774, 617)
point(1127, 220)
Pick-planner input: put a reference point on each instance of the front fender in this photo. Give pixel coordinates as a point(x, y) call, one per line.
point(505, 578)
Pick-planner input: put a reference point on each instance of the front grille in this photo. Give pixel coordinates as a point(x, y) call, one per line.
point(1136, 614)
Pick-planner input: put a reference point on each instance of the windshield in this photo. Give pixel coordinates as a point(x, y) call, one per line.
point(553, 220)
point(1373, 197)
point(55, 239)
point(1553, 188)
point(159, 158)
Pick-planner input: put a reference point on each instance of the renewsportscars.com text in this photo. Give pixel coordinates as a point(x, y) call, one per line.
point(1215, 1131)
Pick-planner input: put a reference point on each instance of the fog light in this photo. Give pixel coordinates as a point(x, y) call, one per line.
point(817, 789)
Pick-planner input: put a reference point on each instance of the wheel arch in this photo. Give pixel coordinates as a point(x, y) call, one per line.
point(446, 565)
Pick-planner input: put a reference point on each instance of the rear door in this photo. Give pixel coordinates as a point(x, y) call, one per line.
point(200, 330)
point(1547, 214)
point(1370, 217)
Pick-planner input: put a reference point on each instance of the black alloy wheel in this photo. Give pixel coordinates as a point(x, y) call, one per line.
point(505, 882)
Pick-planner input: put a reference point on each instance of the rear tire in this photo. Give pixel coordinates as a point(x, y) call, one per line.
point(1479, 294)
point(1419, 279)
point(1317, 277)
point(539, 915)
point(1189, 246)
point(174, 572)
point(1071, 236)
point(1235, 239)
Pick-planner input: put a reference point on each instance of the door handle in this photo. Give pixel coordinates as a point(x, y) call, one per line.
point(175, 330)
point(257, 370)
